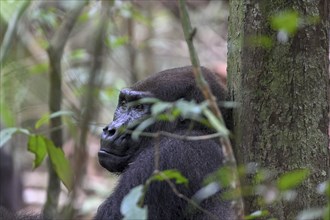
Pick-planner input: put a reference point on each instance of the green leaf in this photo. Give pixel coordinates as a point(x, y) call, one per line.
point(261, 41)
point(190, 109)
point(37, 146)
point(292, 179)
point(60, 164)
point(170, 174)
point(78, 55)
point(45, 118)
point(223, 176)
point(215, 122)
point(206, 192)
point(287, 21)
point(7, 133)
point(129, 206)
point(39, 68)
point(114, 41)
point(146, 123)
point(257, 214)
point(8, 8)
point(160, 107)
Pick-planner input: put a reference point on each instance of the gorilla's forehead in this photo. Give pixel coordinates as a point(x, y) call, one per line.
point(130, 94)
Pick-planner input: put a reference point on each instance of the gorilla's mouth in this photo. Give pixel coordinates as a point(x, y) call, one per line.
point(112, 161)
point(111, 154)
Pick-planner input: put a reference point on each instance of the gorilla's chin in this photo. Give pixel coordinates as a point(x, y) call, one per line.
point(112, 162)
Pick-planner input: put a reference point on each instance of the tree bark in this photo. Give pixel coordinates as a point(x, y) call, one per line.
point(282, 123)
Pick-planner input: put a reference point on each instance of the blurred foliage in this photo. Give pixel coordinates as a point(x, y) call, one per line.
point(129, 206)
point(8, 8)
point(287, 21)
point(170, 174)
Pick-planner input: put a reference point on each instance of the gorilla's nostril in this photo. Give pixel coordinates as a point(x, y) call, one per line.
point(105, 128)
point(111, 132)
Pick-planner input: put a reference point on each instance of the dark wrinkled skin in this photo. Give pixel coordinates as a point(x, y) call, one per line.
point(135, 159)
point(116, 148)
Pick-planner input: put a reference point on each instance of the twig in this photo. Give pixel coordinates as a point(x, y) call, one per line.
point(230, 160)
point(176, 136)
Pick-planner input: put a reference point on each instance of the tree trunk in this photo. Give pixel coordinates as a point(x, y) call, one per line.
point(283, 89)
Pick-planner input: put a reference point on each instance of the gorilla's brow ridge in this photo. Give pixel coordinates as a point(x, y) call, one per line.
point(132, 95)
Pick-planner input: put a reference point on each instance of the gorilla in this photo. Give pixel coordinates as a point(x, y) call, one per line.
point(134, 159)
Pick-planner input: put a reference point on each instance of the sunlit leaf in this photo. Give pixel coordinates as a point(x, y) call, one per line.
point(292, 179)
point(206, 192)
point(129, 207)
point(45, 118)
point(170, 174)
point(160, 107)
point(257, 215)
point(7, 133)
point(145, 124)
point(223, 176)
point(37, 146)
point(215, 122)
point(189, 109)
point(287, 21)
point(60, 164)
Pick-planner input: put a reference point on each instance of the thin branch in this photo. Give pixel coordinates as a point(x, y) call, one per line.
point(176, 136)
point(230, 160)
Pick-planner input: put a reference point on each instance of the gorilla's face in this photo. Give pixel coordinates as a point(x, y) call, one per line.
point(117, 147)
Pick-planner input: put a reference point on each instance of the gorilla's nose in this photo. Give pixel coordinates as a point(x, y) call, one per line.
point(114, 135)
point(108, 131)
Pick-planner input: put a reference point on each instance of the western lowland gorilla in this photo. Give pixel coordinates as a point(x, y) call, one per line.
point(134, 159)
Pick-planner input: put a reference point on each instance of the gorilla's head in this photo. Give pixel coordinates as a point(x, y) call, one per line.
point(117, 147)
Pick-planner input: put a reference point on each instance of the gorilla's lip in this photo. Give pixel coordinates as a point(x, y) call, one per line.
point(111, 154)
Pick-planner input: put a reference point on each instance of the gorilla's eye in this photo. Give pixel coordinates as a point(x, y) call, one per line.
point(123, 103)
point(139, 107)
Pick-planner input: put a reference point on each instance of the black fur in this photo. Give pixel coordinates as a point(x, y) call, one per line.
point(194, 159)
